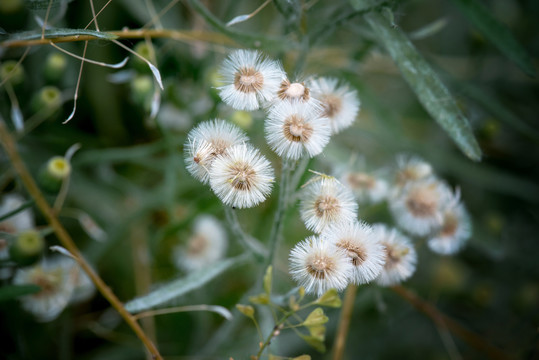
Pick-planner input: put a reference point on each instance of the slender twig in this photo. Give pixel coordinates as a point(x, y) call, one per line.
point(344, 321)
point(161, 13)
point(65, 239)
point(440, 319)
point(96, 15)
point(75, 97)
point(46, 19)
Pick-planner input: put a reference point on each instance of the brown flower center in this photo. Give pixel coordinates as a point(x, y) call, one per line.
point(450, 225)
point(197, 244)
point(332, 105)
point(423, 201)
point(394, 255)
point(296, 129)
point(293, 91)
point(248, 80)
point(243, 175)
point(319, 268)
point(48, 282)
point(360, 181)
point(355, 251)
point(326, 206)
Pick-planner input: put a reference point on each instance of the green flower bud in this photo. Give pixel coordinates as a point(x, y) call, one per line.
point(142, 90)
point(146, 52)
point(27, 247)
point(48, 98)
point(13, 72)
point(54, 173)
point(55, 67)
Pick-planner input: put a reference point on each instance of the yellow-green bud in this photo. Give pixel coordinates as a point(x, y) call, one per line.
point(55, 171)
point(142, 90)
point(55, 67)
point(27, 247)
point(48, 98)
point(13, 72)
point(146, 52)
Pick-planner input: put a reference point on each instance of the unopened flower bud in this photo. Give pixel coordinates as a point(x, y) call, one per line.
point(12, 71)
point(55, 67)
point(54, 173)
point(48, 98)
point(27, 247)
point(142, 90)
point(147, 52)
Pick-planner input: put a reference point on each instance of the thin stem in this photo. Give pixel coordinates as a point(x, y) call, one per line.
point(65, 239)
point(442, 320)
point(344, 321)
point(247, 241)
point(282, 205)
point(273, 334)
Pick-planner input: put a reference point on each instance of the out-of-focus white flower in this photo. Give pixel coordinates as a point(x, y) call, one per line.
point(326, 202)
point(57, 277)
point(250, 79)
point(411, 168)
point(23, 220)
point(319, 266)
point(366, 187)
point(242, 177)
point(400, 256)
point(418, 208)
point(363, 248)
point(340, 104)
point(295, 129)
point(208, 140)
point(455, 230)
point(206, 245)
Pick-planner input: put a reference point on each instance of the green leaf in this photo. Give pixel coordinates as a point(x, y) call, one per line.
point(246, 310)
point(261, 299)
point(12, 291)
point(60, 32)
point(315, 318)
point(316, 343)
point(179, 287)
point(267, 280)
point(329, 299)
point(431, 92)
point(497, 33)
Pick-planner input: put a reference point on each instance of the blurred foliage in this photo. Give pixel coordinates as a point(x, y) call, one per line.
point(129, 177)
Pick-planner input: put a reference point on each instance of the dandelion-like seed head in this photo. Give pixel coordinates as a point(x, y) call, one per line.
point(419, 207)
point(400, 256)
point(206, 245)
point(250, 79)
point(293, 91)
point(207, 141)
point(340, 104)
point(57, 278)
point(364, 250)
point(455, 230)
point(326, 202)
point(411, 168)
point(319, 266)
point(296, 129)
point(242, 177)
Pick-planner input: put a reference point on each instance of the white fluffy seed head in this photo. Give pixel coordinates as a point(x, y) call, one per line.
point(400, 256)
point(242, 177)
point(250, 79)
point(319, 266)
point(326, 202)
point(295, 129)
point(340, 104)
point(57, 278)
point(411, 168)
point(418, 208)
point(455, 230)
point(206, 245)
point(365, 186)
point(207, 141)
point(364, 250)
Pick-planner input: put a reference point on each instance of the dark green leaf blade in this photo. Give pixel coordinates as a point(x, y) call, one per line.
point(497, 33)
point(12, 291)
point(429, 89)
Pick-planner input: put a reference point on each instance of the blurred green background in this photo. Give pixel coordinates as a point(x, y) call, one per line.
point(130, 178)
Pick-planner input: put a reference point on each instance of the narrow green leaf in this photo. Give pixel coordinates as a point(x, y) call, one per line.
point(179, 287)
point(315, 342)
point(267, 280)
point(246, 310)
point(431, 92)
point(497, 33)
point(12, 291)
point(315, 318)
point(60, 32)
